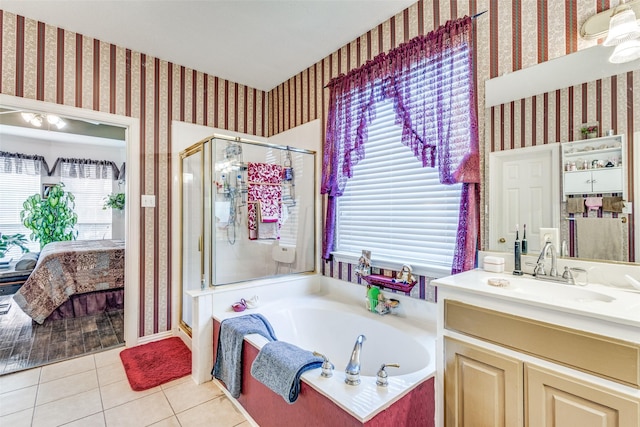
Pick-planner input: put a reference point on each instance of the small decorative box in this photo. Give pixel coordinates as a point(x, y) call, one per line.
point(494, 264)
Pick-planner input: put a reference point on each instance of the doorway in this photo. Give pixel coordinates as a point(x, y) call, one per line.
point(131, 188)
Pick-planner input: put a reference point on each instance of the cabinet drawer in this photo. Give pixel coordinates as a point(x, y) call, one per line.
point(609, 358)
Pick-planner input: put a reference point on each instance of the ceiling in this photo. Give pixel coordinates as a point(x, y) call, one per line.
point(258, 43)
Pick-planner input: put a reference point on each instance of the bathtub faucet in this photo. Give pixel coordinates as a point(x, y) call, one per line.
point(353, 367)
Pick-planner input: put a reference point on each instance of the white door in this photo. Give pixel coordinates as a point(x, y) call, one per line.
point(524, 189)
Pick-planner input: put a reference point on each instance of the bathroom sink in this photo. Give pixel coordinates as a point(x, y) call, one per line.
point(555, 291)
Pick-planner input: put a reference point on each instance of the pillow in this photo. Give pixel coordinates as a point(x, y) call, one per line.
point(28, 261)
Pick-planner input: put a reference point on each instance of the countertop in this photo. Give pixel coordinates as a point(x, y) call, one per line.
point(595, 301)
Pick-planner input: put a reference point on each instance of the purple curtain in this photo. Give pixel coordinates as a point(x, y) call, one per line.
point(434, 101)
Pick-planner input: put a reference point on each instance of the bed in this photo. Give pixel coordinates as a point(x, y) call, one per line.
point(73, 279)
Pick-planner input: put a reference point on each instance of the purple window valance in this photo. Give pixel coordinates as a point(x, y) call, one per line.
point(430, 81)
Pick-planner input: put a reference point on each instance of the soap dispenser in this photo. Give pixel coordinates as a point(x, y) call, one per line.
point(382, 377)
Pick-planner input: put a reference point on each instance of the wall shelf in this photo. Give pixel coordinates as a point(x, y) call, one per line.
point(388, 282)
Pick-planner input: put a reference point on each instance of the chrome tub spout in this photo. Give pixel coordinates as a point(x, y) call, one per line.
point(353, 367)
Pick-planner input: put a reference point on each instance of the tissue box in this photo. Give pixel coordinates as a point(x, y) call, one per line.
point(493, 264)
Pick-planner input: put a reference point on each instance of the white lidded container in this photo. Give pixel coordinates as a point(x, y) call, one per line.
point(493, 264)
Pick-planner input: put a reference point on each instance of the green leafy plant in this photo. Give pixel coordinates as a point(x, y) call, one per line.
point(114, 201)
point(52, 219)
point(7, 241)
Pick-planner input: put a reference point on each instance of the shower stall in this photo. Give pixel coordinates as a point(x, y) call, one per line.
point(247, 213)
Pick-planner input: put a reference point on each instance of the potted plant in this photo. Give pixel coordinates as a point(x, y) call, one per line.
point(114, 201)
point(589, 131)
point(7, 241)
point(50, 219)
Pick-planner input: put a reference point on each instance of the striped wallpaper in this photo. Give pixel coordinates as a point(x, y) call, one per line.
point(46, 63)
point(513, 35)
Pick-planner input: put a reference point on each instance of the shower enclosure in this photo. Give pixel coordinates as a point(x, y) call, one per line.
point(247, 213)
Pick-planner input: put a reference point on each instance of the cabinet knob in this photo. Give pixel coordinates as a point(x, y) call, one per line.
point(502, 240)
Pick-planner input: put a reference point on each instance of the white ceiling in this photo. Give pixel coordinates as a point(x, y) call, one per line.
point(258, 43)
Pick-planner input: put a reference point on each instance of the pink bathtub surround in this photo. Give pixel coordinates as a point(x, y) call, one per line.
point(265, 200)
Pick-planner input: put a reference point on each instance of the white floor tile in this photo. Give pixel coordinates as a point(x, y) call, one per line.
point(19, 380)
point(18, 419)
point(189, 394)
point(168, 422)
point(116, 394)
point(95, 420)
point(140, 412)
point(66, 368)
point(218, 412)
point(18, 400)
point(111, 373)
point(108, 357)
point(66, 386)
point(68, 409)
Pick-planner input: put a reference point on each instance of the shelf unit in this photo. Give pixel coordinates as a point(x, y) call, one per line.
point(584, 166)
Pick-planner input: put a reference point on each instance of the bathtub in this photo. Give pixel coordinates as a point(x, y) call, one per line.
point(330, 326)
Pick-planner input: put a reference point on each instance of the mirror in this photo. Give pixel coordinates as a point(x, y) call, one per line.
point(546, 104)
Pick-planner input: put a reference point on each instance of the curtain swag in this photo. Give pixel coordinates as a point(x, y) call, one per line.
point(13, 162)
point(426, 113)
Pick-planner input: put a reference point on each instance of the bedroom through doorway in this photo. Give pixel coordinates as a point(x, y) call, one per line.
point(88, 158)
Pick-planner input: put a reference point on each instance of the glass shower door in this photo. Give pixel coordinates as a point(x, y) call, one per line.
point(192, 167)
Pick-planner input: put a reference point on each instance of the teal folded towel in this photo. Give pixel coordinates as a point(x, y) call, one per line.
point(279, 366)
point(228, 364)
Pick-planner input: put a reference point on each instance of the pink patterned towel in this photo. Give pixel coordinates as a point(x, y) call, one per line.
point(265, 200)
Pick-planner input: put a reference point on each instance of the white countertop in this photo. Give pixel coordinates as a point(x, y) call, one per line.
point(595, 301)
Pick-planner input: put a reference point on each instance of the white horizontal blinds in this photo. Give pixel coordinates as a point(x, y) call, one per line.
point(393, 205)
point(90, 184)
point(19, 179)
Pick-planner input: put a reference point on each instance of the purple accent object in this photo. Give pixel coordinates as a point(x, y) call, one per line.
point(427, 123)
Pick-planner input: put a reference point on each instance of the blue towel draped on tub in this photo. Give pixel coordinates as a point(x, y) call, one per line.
point(228, 365)
point(279, 366)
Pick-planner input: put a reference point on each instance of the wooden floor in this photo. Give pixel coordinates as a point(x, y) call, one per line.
point(25, 344)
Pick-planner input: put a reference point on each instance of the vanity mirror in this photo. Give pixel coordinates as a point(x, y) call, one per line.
point(539, 111)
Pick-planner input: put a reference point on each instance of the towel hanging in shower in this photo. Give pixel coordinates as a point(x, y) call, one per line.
point(264, 200)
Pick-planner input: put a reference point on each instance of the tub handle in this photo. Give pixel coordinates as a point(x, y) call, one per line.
point(382, 377)
point(327, 367)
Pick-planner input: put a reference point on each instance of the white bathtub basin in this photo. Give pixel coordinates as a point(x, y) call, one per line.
point(333, 333)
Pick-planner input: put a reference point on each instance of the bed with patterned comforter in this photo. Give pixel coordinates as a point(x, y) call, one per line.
point(68, 270)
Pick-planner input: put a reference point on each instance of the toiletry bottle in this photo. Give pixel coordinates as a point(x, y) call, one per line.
point(524, 239)
point(517, 267)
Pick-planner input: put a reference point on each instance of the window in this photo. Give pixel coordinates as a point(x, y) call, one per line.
point(19, 179)
point(395, 207)
point(90, 184)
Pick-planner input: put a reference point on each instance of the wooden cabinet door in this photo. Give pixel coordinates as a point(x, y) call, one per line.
point(556, 400)
point(482, 388)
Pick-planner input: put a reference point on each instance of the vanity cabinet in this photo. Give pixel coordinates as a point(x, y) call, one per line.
point(585, 168)
point(507, 370)
point(482, 388)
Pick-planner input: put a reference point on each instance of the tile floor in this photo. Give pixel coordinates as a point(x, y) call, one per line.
point(93, 391)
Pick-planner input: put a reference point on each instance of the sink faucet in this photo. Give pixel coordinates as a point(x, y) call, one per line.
point(353, 367)
point(539, 268)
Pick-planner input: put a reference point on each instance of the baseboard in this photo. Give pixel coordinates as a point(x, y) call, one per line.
point(155, 337)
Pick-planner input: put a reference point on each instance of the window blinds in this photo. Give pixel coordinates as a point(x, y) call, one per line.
point(19, 179)
point(395, 207)
point(90, 184)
